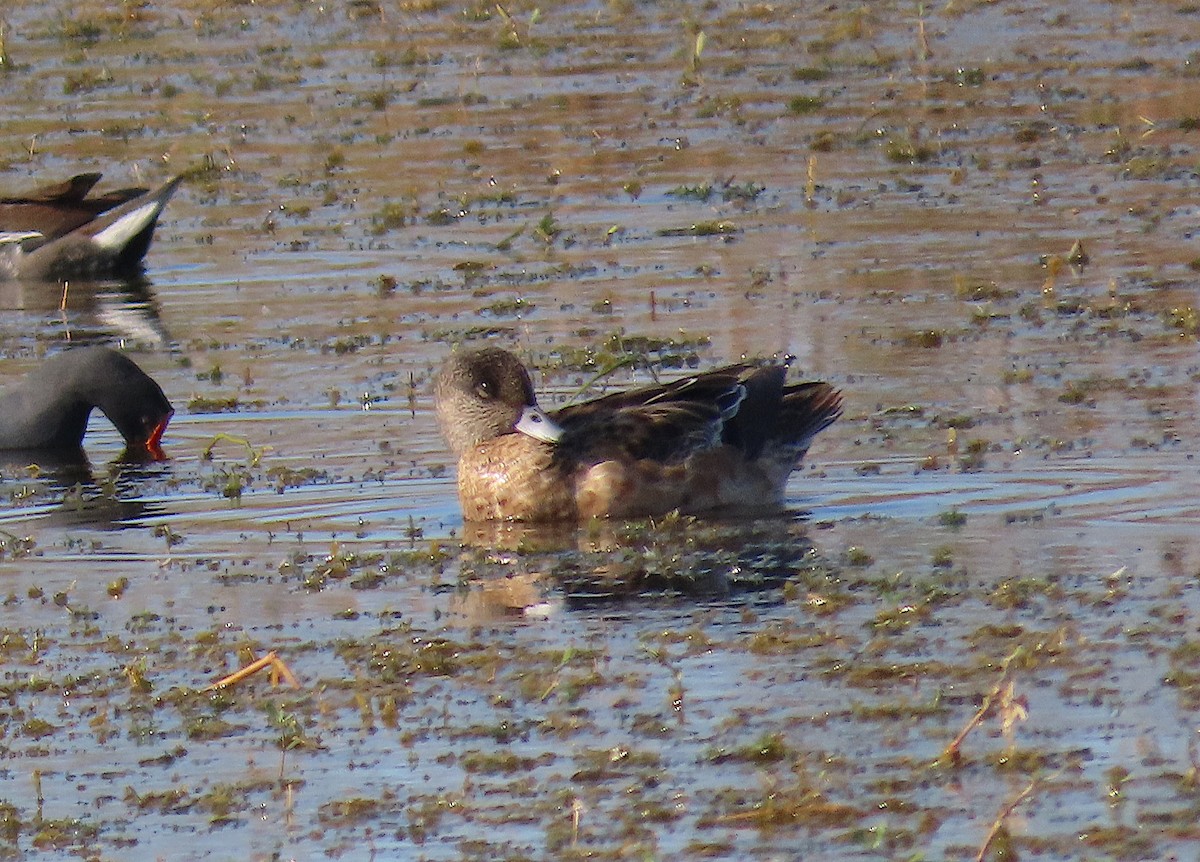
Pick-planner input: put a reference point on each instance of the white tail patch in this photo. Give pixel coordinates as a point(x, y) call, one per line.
point(11, 236)
point(118, 234)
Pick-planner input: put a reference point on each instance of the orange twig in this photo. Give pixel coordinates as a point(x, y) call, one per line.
point(1000, 694)
point(279, 670)
point(1007, 810)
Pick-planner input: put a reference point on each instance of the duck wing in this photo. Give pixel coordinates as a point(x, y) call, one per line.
point(663, 422)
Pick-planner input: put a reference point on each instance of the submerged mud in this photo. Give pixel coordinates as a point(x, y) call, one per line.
point(975, 633)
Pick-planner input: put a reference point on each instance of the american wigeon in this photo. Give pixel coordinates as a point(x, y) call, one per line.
point(57, 232)
point(49, 409)
point(721, 442)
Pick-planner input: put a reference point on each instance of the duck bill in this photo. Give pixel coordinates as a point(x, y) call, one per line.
point(536, 424)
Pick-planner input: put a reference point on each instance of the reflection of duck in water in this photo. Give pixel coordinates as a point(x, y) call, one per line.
point(57, 232)
point(92, 311)
point(620, 560)
point(723, 442)
point(49, 409)
point(514, 596)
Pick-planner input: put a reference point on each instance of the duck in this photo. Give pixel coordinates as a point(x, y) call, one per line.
point(57, 232)
point(49, 409)
point(722, 442)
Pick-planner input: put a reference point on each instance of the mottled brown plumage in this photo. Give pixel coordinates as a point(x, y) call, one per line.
point(723, 441)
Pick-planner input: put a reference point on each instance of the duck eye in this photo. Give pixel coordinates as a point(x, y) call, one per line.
point(484, 390)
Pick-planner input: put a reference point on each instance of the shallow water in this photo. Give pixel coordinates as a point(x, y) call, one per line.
point(1010, 496)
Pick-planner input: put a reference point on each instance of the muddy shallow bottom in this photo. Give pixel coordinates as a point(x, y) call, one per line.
point(976, 628)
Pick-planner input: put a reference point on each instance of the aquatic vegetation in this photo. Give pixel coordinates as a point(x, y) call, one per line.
point(857, 557)
point(86, 81)
point(805, 104)
point(699, 192)
point(509, 307)
point(810, 74)
point(952, 518)
point(926, 338)
point(623, 349)
point(63, 834)
point(903, 150)
point(205, 404)
point(621, 191)
point(1185, 319)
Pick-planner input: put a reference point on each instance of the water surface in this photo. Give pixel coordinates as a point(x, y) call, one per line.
point(1009, 498)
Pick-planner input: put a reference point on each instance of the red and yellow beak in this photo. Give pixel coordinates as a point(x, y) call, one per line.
point(154, 441)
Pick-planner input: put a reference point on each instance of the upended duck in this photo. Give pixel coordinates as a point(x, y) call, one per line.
point(49, 408)
point(58, 232)
point(720, 442)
